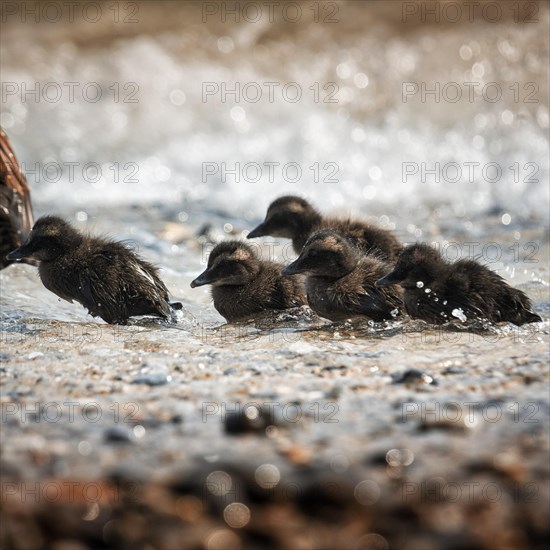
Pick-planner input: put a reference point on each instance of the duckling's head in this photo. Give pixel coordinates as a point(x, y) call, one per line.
point(50, 238)
point(417, 266)
point(230, 263)
point(326, 253)
point(287, 217)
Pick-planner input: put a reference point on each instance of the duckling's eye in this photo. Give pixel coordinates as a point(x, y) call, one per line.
point(313, 253)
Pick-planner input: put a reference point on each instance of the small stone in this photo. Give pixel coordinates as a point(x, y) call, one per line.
point(152, 379)
point(241, 419)
point(414, 376)
point(454, 370)
point(298, 455)
point(116, 434)
point(341, 368)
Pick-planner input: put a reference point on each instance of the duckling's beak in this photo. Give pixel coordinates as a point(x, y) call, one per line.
point(205, 278)
point(293, 269)
point(20, 253)
point(390, 279)
point(258, 232)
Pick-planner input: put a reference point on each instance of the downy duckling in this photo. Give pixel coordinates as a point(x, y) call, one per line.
point(243, 285)
point(16, 217)
point(438, 291)
point(340, 280)
point(294, 218)
point(105, 276)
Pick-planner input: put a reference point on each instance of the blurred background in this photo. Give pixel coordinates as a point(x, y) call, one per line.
point(138, 90)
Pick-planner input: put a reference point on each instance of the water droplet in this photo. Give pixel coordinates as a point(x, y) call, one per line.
point(419, 284)
point(367, 492)
point(225, 44)
point(459, 314)
point(177, 97)
point(85, 448)
point(361, 80)
point(267, 476)
point(238, 114)
point(465, 52)
point(139, 431)
point(236, 515)
point(343, 70)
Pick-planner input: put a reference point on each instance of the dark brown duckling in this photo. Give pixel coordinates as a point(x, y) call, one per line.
point(105, 276)
point(243, 285)
point(340, 280)
point(294, 218)
point(438, 291)
point(16, 217)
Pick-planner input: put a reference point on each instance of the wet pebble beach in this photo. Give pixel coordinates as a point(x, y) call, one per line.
point(284, 432)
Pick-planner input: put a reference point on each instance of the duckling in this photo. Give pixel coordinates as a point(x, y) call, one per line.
point(105, 276)
point(242, 285)
point(340, 280)
point(438, 291)
point(294, 218)
point(16, 217)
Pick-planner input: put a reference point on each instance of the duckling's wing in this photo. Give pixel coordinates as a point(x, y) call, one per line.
point(448, 306)
point(375, 304)
point(453, 298)
point(95, 294)
point(467, 289)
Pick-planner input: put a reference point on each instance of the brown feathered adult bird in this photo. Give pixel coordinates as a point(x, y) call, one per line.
point(340, 281)
point(439, 291)
point(105, 276)
point(244, 285)
point(16, 217)
point(295, 218)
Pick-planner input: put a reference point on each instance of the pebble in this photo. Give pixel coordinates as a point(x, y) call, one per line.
point(116, 434)
point(251, 419)
point(152, 379)
point(34, 355)
point(414, 376)
point(454, 370)
point(152, 375)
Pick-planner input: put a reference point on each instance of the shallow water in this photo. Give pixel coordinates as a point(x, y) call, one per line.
point(164, 393)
